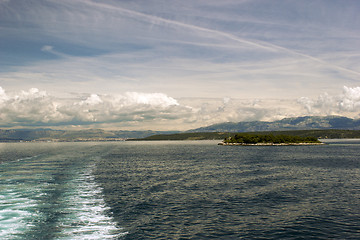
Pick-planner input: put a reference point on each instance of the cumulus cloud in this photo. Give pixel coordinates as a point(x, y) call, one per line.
point(217, 110)
point(3, 96)
point(37, 108)
point(158, 111)
point(350, 99)
point(153, 99)
point(211, 111)
point(347, 103)
point(138, 110)
point(32, 107)
point(92, 100)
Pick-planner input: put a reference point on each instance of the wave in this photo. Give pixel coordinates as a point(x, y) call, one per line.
point(89, 217)
point(16, 212)
point(30, 200)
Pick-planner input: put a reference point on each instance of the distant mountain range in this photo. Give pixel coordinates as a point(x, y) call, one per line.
point(299, 123)
point(16, 135)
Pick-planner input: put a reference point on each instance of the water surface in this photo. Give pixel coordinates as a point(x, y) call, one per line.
point(179, 190)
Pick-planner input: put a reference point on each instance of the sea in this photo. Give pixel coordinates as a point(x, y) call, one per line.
point(179, 190)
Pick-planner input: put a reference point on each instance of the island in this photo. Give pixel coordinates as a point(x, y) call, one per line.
point(245, 139)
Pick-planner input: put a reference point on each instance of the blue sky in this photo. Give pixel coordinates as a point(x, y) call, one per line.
point(176, 64)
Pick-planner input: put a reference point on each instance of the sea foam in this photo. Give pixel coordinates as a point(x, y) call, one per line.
point(16, 210)
point(89, 216)
point(26, 187)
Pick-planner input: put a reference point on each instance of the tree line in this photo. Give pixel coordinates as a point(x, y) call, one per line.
point(268, 138)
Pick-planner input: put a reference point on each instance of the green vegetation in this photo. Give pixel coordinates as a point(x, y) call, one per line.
point(185, 136)
point(318, 134)
point(332, 133)
point(16, 135)
point(245, 138)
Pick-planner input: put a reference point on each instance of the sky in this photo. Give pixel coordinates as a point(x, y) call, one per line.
point(176, 64)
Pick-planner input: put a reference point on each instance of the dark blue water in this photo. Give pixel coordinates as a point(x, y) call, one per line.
point(179, 190)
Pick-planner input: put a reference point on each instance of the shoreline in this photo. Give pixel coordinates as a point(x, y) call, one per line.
point(270, 144)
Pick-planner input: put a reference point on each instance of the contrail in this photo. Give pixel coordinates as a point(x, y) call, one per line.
point(158, 20)
point(263, 45)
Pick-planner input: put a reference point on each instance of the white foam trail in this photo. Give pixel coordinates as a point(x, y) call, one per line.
point(17, 204)
point(85, 212)
point(15, 212)
point(88, 217)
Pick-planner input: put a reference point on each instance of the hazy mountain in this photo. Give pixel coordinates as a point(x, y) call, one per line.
point(298, 123)
point(64, 135)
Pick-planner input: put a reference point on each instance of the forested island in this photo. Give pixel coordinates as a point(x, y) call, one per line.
point(49, 135)
point(269, 139)
point(318, 134)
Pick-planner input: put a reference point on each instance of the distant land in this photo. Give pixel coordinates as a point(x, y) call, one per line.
point(322, 134)
point(16, 135)
point(298, 123)
point(320, 127)
point(245, 139)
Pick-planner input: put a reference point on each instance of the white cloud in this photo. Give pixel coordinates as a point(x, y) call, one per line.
point(154, 99)
point(350, 99)
point(347, 103)
point(157, 111)
point(217, 110)
point(37, 108)
point(92, 100)
point(47, 48)
point(168, 48)
point(3, 96)
point(32, 107)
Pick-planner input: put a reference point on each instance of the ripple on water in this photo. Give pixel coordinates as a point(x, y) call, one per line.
point(88, 216)
point(16, 212)
point(50, 198)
